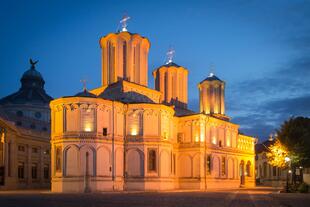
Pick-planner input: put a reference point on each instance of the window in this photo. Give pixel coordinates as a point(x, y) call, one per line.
point(21, 170)
point(34, 150)
point(38, 115)
point(32, 126)
point(88, 119)
point(248, 169)
point(58, 159)
point(19, 113)
point(105, 131)
point(180, 137)
point(274, 171)
point(220, 143)
point(124, 60)
point(34, 171)
point(136, 124)
point(208, 164)
point(44, 129)
point(46, 171)
point(21, 148)
point(151, 160)
point(18, 123)
point(172, 163)
point(223, 166)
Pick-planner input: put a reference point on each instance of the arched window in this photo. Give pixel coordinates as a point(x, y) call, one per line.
point(58, 159)
point(88, 119)
point(248, 169)
point(111, 62)
point(208, 164)
point(124, 60)
point(136, 124)
point(152, 160)
point(223, 166)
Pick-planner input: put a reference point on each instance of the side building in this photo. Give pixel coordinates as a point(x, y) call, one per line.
point(127, 136)
point(25, 135)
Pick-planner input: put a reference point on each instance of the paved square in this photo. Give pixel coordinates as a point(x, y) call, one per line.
point(264, 197)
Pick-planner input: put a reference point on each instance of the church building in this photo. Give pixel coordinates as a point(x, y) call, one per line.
point(25, 134)
point(126, 136)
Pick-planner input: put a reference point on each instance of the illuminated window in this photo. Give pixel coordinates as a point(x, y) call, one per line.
point(152, 160)
point(88, 120)
point(136, 124)
point(223, 166)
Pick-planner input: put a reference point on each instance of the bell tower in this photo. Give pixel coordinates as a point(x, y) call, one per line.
point(124, 57)
point(171, 81)
point(211, 95)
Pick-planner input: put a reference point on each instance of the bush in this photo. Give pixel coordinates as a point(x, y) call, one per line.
point(303, 188)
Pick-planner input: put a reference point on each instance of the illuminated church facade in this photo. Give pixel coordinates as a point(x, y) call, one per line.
point(127, 136)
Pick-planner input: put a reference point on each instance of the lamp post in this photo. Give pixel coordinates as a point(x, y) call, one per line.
point(287, 159)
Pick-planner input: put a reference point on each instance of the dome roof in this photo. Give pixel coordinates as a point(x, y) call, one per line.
point(85, 93)
point(212, 77)
point(32, 73)
point(31, 90)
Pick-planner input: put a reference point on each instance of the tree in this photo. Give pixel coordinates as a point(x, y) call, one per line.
point(277, 153)
point(294, 134)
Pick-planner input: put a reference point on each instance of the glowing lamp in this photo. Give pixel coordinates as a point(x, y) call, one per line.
point(134, 131)
point(213, 140)
point(88, 127)
point(287, 159)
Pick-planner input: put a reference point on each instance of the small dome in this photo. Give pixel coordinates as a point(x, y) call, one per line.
point(32, 73)
point(85, 93)
point(172, 64)
point(212, 77)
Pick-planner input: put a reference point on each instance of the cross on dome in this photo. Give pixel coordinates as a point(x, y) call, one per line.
point(212, 69)
point(84, 84)
point(170, 55)
point(124, 22)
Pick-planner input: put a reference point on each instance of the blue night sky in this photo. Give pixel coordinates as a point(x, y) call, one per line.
point(260, 48)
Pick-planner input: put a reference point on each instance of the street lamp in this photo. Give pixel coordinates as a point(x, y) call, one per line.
point(287, 159)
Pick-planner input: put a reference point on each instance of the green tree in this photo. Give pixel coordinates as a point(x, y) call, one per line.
point(294, 134)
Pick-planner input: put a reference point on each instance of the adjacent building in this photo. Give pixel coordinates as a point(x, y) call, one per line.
point(124, 135)
point(25, 135)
